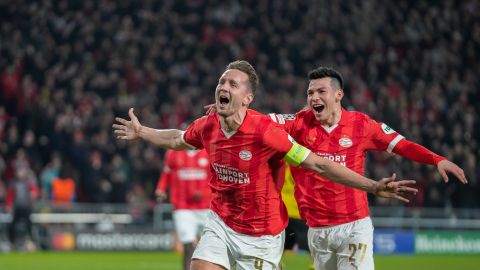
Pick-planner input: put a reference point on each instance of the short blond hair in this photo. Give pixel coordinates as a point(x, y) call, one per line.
point(248, 69)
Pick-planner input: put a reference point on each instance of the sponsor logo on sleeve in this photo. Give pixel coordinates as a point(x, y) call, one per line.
point(387, 130)
point(288, 116)
point(245, 155)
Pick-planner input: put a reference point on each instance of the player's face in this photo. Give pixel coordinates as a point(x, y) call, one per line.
point(323, 99)
point(232, 92)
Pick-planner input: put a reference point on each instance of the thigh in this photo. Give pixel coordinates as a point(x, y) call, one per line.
point(257, 253)
point(356, 252)
point(185, 221)
point(212, 248)
point(201, 217)
point(321, 249)
point(197, 264)
point(254, 263)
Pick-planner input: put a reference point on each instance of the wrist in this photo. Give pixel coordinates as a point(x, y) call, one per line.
point(142, 132)
point(437, 159)
point(375, 187)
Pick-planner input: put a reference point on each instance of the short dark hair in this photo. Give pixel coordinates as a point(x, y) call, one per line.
point(248, 69)
point(324, 72)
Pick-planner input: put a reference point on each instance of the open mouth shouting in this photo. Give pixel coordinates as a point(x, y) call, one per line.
point(318, 108)
point(223, 100)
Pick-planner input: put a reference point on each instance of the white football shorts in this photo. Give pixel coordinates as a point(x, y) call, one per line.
point(343, 247)
point(221, 245)
point(189, 224)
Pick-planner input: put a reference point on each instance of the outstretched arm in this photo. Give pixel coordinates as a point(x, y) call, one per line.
point(278, 139)
point(421, 154)
point(132, 130)
point(386, 187)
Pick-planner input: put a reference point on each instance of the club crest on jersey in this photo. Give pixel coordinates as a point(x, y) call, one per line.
point(245, 155)
point(345, 142)
point(202, 162)
point(387, 130)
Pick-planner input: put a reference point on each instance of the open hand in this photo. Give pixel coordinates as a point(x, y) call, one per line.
point(445, 166)
point(127, 130)
point(389, 188)
point(210, 109)
point(197, 196)
point(161, 196)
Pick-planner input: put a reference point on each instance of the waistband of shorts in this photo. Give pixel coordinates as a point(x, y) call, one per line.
point(341, 225)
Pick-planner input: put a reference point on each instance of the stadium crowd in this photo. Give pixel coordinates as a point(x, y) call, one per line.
point(68, 67)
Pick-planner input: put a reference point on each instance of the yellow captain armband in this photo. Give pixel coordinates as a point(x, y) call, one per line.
point(297, 154)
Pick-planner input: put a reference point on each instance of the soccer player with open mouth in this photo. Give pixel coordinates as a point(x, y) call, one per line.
point(341, 231)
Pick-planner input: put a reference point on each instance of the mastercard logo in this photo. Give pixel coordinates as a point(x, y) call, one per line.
point(63, 241)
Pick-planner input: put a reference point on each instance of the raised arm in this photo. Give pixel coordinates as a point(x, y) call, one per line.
point(386, 187)
point(132, 130)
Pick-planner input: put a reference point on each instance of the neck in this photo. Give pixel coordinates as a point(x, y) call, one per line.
point(233, 122)
point(334, 117)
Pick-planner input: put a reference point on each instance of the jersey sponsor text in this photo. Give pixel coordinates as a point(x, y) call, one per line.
point(340, 159)
point(230, 174)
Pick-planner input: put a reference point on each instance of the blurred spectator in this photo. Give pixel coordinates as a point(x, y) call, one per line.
point(120, 179)
point(63, 187)
point(48, 174)
point(3, 192)
point(21, 195)
point(95, 184)
point(4, 117)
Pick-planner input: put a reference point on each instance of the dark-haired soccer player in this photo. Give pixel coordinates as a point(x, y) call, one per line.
point(341, 232)
point(248, 218)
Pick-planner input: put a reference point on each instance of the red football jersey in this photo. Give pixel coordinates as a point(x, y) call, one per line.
point(186, 174)
point(244, 165)
point(323, 202)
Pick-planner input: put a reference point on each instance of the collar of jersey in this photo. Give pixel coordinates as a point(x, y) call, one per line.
point(242, 126)
point(342, 122)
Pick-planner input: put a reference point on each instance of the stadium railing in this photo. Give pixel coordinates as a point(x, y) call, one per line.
point(128, 225)
point(159, 216)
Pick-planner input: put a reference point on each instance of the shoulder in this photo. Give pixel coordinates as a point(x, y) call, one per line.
point(203, 153)
point(206, 118)
point(357, 117)
point(259, 118)
point(170, 152)
point(205, 121)
point(284, 118)
point(305, 114)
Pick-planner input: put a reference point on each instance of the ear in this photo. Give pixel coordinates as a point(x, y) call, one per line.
point(339, 95)
point(248, 99)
